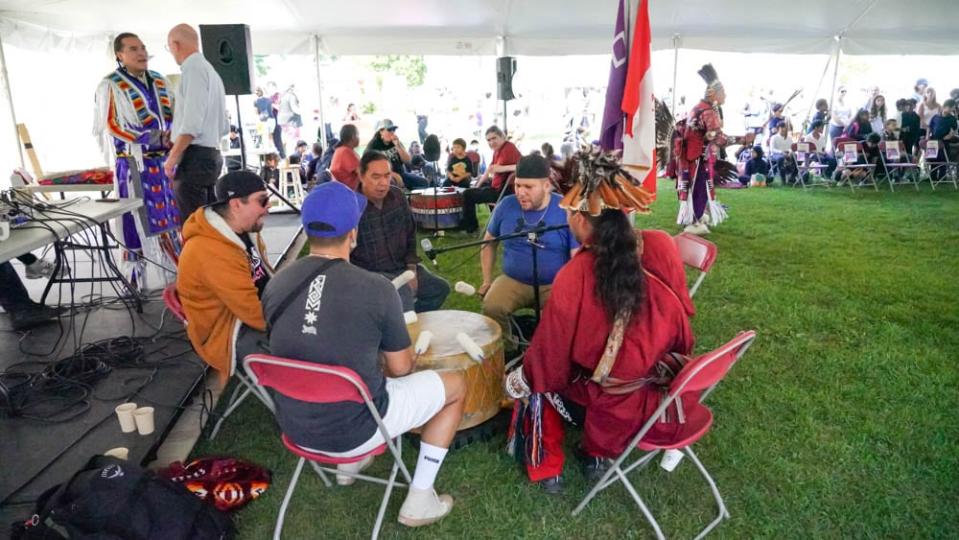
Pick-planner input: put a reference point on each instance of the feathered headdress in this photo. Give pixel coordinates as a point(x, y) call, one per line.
point(708, 73)
point(601, 182)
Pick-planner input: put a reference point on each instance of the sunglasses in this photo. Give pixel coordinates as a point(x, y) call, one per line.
point(264, 201)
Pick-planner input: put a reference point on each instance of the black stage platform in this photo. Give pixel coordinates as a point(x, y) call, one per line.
point(36, 455)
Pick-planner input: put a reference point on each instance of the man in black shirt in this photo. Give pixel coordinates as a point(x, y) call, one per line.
point(323, 309)
point(386, 141)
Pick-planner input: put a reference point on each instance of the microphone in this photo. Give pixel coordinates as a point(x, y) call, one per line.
point(403, 279)
point(472, 349)
point(431, 148)
point(428, 250)
point(464, 288)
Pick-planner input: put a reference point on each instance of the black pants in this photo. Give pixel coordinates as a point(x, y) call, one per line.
point(474, 196)
point(195, 177)
point(13, 295)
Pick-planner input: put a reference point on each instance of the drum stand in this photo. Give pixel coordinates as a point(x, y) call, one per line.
point(532, 238)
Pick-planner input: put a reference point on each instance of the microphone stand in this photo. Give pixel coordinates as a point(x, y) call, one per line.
point(532, 237)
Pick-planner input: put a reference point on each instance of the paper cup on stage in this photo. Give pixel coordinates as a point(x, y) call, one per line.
point(144, 420)
point(120, 453)
point(125, 416)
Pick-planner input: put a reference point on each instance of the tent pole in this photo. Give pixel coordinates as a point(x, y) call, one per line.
point(676, 39)
point(835, 72)
point(319, 89)
point(13, 114)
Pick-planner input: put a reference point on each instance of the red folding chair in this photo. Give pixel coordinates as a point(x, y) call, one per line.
point(851, 163)
point(808, 163)
point(701, 374)
point(320, 383)
point(172, 302)
point(697, 253)
point(936, 165)
point(898, 168)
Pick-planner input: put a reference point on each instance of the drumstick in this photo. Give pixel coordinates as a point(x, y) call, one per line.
point(472, 349)
point(403, 279)
point(423, 342)
point(409, 317)
point(465, 288)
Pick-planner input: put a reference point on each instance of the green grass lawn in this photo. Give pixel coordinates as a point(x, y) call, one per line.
point(839, 422)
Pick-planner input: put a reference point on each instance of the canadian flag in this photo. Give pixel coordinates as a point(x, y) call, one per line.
point(639, 106)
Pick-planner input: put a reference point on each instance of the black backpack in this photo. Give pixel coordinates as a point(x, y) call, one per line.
point(112, 499)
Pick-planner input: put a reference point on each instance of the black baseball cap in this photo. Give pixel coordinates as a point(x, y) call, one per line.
point(532, 167)
point(237, 184)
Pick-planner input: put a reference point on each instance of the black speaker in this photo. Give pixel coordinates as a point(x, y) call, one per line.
point(229, 49)
point(505, 68)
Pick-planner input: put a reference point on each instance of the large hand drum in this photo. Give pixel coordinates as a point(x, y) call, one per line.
point(484, 381)
point(437, 208)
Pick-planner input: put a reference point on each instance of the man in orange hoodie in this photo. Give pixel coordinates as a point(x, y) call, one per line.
point(223, 270)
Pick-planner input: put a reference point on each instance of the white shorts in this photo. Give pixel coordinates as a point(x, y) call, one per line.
point(414, 399)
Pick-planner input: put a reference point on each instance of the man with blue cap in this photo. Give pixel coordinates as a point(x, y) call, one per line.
point(324, 309)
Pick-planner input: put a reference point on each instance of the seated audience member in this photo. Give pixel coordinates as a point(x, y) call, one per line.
point(387, 238)
point(943, 128)
point(505, 158)
point(755, 165)
point(780, 150)
point(910, 127)
point(459, 167)
point(270, 172)
point(323, 309)
point(817, 137)
point(346, 163)
point(309, 166)
point(24, 313)
point(534, 205)
point(223, 270)
point(299, 152)
point(549, 153)
point(625, 290)
point(386, 141)
point(890, 130)
point(860, 127)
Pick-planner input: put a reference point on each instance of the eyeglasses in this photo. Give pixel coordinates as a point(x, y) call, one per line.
point(264, 201)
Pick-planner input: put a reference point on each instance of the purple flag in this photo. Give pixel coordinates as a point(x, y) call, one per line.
point(611, 134)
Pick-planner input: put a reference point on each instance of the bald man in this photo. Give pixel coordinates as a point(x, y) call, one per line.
point(199, 123)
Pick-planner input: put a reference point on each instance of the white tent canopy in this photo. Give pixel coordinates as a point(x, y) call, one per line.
point(517, 27)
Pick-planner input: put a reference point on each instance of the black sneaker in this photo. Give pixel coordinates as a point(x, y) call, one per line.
point(553, 485)
point(32, 316)
point(594, 467)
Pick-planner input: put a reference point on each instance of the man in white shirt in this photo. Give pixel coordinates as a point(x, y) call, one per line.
point(817, 138)
point(199, 123)
point(780, 147)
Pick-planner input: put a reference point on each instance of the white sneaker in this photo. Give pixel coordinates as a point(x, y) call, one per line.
point(40, 268)
point(424, 506)
point(355, 468)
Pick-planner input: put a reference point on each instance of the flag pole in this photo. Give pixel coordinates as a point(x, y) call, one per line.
point(676, 40)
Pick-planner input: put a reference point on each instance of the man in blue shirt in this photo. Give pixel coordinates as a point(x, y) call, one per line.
point(534, 205)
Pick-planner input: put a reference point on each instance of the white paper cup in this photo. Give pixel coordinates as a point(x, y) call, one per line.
point(144, 420)
point(119, 452)
point(125, 416)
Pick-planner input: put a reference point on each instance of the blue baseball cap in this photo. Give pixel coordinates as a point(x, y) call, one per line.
point(332, 209)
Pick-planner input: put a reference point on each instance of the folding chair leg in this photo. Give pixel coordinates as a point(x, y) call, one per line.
point(246, 382)
point(639, 464)
point(723, 512)
point(321, 473)
point(277, 531)
point(642, 506)
point(386, 501)
point(229, 410)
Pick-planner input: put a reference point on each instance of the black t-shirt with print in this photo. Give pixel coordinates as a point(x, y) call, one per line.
point(257, 269)
point(343, 316)
point(460, 165)
point(396, 162)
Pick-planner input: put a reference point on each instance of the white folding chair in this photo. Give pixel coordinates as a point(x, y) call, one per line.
point(697, 253)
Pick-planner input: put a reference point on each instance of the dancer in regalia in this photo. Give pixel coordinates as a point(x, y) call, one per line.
point(698, 150)
point(134, 112)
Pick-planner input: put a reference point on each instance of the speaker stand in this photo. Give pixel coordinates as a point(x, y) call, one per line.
point(239, 127)
point(505, 120)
